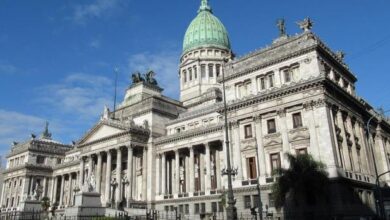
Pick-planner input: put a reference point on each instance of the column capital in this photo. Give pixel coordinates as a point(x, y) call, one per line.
point(257, 118)
point(191, 148)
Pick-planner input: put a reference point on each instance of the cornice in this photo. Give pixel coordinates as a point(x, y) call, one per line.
point(275, 93)
point(188, 134)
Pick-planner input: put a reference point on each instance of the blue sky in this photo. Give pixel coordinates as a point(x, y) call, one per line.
point(57, 56)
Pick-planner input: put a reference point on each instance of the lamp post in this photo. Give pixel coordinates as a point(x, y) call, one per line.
point(231, 209)
point(380, 207)
point(260, 208)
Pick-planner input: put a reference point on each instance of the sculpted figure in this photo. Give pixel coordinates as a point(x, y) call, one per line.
point(149, 76)
point(136, 77)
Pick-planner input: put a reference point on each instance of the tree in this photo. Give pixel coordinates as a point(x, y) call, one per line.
point(304, 183)
point(45, 203)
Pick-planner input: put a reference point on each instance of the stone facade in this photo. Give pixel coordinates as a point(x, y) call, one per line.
point(295, 96)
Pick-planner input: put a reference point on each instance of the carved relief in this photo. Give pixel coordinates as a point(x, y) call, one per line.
point(272, 139)
point(299, 134)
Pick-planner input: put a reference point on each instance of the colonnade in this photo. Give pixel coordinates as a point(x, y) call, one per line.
point(188, 171)
point(114, 177)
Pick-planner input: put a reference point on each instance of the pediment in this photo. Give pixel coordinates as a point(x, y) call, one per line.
point(100, 131)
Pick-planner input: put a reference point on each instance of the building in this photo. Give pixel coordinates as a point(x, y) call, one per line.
point(294, 96)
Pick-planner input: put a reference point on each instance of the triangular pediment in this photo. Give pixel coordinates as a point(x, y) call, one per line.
point(100, 131)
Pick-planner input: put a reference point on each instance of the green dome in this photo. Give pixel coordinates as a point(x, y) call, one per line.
point(206, 30)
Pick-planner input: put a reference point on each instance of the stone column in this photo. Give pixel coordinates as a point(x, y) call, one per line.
point(129, 172)
point(118, 177)
point(163, 174)
point(340, 124)
point(177, 172)
point(284, 134)
point(108, 178)
point(44, 194)
point(144, 173)
point(70, 190)
point(158, 175)
point(81, 179)
point(31, 191)
point(99, 172)
point(54, 192)
point(62, 190)
point(236, 152)
point(260, 147)
point(208, 168)
point(90, 164)
point(2, 194)
point(191, 170)
point(218, 168)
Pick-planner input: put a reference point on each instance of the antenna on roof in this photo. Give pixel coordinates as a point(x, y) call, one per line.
point(116, 70)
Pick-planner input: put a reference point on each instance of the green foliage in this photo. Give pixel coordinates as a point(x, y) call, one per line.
point(104, 218)
point(223, 198)
point(305, 179)
point(45, 203)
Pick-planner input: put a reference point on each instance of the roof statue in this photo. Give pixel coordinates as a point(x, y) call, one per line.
point(306, 24)
point(281, 26)
point(106, 112)
point(46, 134)
point(137, 77)
point(149, 77)
point(340, 54)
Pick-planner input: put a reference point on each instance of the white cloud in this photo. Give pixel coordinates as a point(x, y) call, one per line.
point(95, 44)
point(7, 68)
point(16, 126)
point(97, 9)
point(80, 95)
point(164, 64)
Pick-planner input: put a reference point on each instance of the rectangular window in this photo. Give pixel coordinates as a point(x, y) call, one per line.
point(271, 126)
point(271, 200)
point(166, 208)
point(275, 162)
point(211, 70)
point(40, 159)
point(251, 167)
point(197, 208)
point(203, 71)
point(248, 131)
point(203, 207)
point(271, 80)
point(262, 83)
point(247, 202)
point(297, 120)
point(255, 199)
point(287, 75)
point(184, 76)
point(214, 207)
point(195, 72)
point(187, 211)
point(181, 209)
point(218, 70)
point(220, 207)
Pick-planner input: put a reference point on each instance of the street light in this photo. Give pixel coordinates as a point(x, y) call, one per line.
point(231, 209)
point(380, 207)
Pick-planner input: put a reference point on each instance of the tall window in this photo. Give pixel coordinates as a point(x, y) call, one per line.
point(271, 200)
point(271, 126)
point(247, 202)
point(275, 161)
point(287, 75)
point(255, 199)
point(195, 72)
point(251, 167)
point(248, 131)
point(40, 159)
point(214, 207)
point(262, 83)
point(197, 210)
point(211, 70)
point(203, 71)
point(190, 73)
point(184, 76)
point(297, 120)
point(218, 70)
point(271, 80)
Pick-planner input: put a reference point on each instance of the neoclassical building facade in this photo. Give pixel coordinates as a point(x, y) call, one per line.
point(295, 96)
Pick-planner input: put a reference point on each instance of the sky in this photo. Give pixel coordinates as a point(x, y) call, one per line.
point(57, 56)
